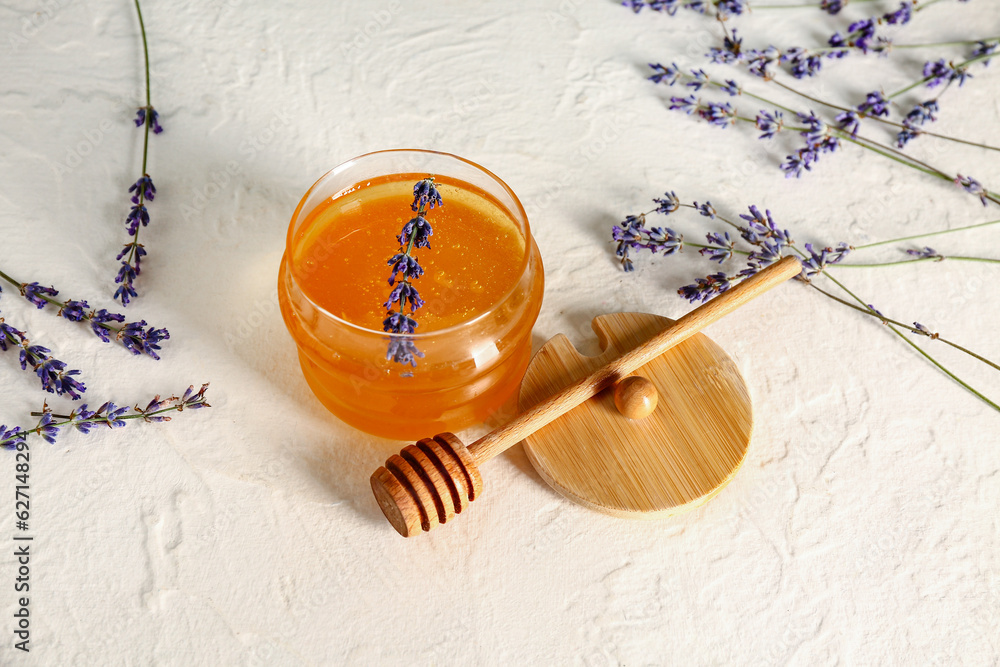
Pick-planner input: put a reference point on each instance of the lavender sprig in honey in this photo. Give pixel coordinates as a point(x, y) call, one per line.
point(405, 269)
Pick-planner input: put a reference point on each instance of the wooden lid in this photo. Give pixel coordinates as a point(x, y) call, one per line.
point(671, 461)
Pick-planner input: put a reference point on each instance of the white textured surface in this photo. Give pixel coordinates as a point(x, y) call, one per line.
point(863, 528)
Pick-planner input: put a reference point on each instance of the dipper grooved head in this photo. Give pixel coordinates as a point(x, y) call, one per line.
point(426, 484)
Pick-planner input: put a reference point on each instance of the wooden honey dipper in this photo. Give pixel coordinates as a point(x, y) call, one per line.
point(430, 482)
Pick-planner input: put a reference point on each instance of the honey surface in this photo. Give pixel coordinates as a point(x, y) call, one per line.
point(342, 248)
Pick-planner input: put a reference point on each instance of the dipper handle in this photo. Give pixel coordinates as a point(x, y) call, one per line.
point(549, 410)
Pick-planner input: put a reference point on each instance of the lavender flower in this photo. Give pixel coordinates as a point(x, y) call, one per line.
point(144, 187)
point(661, 74)
point(687, 104)
point(140, 119)
point(12, 437)
point(668, 204)
point(921, 330)
point(668, 6)
point(698, 79)
point(972, 186)
point(635, 5)
point(875, 104)
point(769, 123)
point(803, 64)
point(405, 268)
point(818, 261)
point(941, 72)
point(143, 190)
point(983, 49)
point(731, 51)
point(36, 294)
point(55, 379)
point(759, 61)
point(727, 8)
point(849, 122)
point(925, 253)
point(706, 209)
point(901, 16)
point(133, 336)
point(721, 248)
point(52, 373)
point(731, 88)
point(705, 288)
point(109, 414)
point(832, 7)
point(861, 33)
point(721, 115)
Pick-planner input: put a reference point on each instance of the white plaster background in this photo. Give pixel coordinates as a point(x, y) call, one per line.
point(862, 530)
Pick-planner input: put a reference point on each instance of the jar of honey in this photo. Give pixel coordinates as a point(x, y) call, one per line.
point(482, 290)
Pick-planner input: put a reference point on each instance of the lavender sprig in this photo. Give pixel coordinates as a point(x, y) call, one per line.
point(405, 268)
point(51, 372)
point(136, 337)
point(142, 191)
point(769, 243)
point(108, 414)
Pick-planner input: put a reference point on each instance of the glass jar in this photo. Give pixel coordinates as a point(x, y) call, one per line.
point(470, 366)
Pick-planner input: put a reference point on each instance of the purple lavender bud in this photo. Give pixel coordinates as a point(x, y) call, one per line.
point(983, 49)
point(727, 8)
point(125, 278)
point(921, 330)
point(832, 7)
point(722, 248)
point(861, 33)
point(9, 333)
point(420, 230)
point(45, 428)
point(941, 72)
point(152, 343)
point(925, 253)
point(74, 310)
point(705, 288)
point(9, 438)
point(140, 117)
point(144, 186)
point(901, 16)
point(405, 264)
point(399, 323)
point(661, 74)
point(695, 6)
point(154, 120)
point(425, 193)
point(875, 104)
point(849, 121)
point(731, 87)
point(668, 204)
point(635, 5)
point(972, 186)
point(769, 123)
point(402, 293)
point(138, 215)
point(668, 6)
point(401, 350)
point(706, 209)
point(665, 239)
point(721, 115)
point(795, 163)
point(698, 79)
point(687, 104)
point(34, 292)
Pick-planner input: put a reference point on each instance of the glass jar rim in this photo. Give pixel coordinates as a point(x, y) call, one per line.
point(519, 212)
